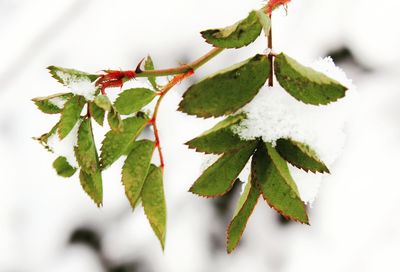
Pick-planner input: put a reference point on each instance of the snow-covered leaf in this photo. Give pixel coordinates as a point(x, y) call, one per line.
point(52, 104)
point(219, 178)
point(300, 155)
point(228, 90)
point(85, 150)
point(135, 169)
point(92, 184)
point(220, 138)
point(116, 143)
point(305, 84)
point(133, 100)
point(271, 174)
point(154, 202)
point(238, 35)
point(63, 168)
point(70, 115)
point(237, 226)
point(63, 75)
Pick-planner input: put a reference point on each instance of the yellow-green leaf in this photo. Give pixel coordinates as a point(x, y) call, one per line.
point(133, 100)
point(228, 90)
point(238, 35)
point(149, 65)
point(92, 184)
point(97, 113)
point(306, 84)
point(85, 150)
point(49, 104)
point(114, 120)
point(70, 115)
point(103, 102)
point(63, 168)
point(154, 202)
point(135, 169)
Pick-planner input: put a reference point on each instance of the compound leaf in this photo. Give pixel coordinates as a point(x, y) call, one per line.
point(238, 35)
point(135, 169)
point(306, 84)
point(300, 155)
point(153, 200)
point(116, 143)
point(218, 179)
point(228, 90)
point(133, 100)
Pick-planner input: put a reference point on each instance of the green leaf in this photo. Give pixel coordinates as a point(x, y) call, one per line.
point(220, 138)
point(228, 90)
point(66, 75)
point(114, 120)
point(149, 65)
point(135, 169)
point(133, 100)
point(306, 84)
point(103, 102)
point(154, 202)
point(63, 168)
point(300, 155)
point(238, 35)
point(271, 174)
point(70, 115)
point(116, 144)
point(47, 104)
point(85, 150)
point(97, 113)
point(92, 184)
point(238, 224)
point(219, 178)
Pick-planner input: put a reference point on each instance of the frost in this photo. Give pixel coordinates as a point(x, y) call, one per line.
point(58, 101)
point(79, 85)
point(274, 114)
point(65, 147)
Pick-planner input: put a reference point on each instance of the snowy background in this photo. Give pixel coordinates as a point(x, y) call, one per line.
point(48, 224)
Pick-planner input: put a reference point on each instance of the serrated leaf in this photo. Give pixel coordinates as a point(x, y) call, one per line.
point(149, 65)
point(92, 184)
point(64, 75)
point(133, 100)
point(154, 202)
point(103, 102)
point(228, 90)
point(135, 169)
point(48, 104)
point(97, 113)
point(218, 179)
point(219, 138)
point(85, 150)
point(238, 35)
point(306, 84)
point(70, 115)
point(300, 155)
point(115, 121)
point(271, 175)
point(237, 226)
point(63, 168)
point(116, 144)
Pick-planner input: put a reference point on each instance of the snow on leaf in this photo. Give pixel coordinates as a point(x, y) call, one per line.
point(52, 104)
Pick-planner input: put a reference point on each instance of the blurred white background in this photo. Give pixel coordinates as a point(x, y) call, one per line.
point(48, 224)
